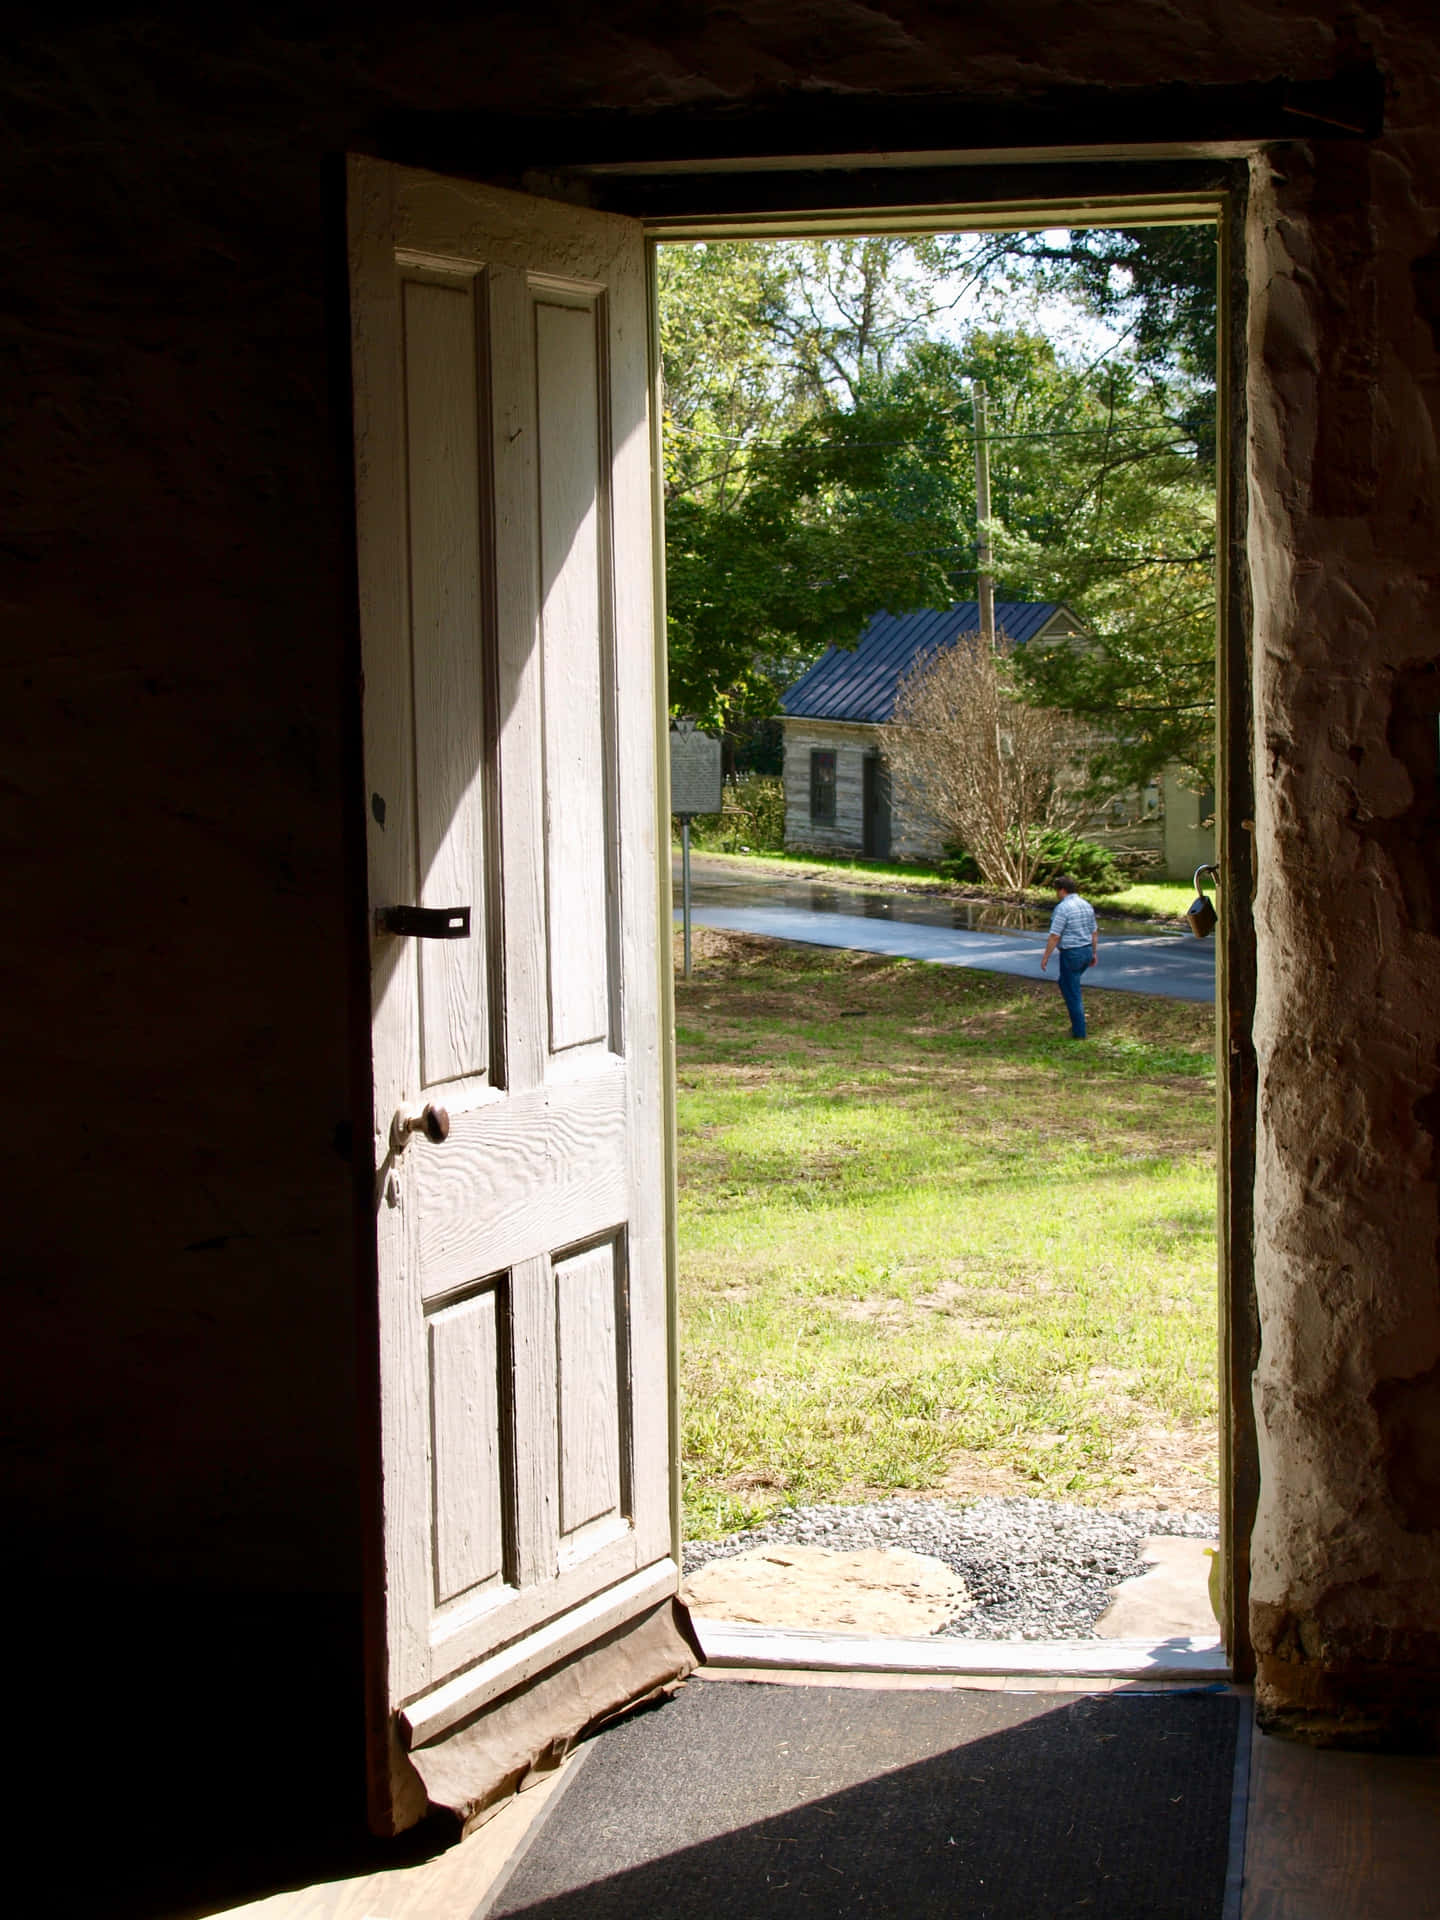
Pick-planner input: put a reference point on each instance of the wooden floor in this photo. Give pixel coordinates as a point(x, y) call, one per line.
point(449, 1887)
point(1341, 1836)
point(1329, 1836)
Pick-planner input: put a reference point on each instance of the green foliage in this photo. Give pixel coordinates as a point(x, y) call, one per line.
point(958, 865)
point(1162, 282)
point(820, 468)
point(771, 555)
point(1086, 861)
point(758, 590)
point(760, 799)
point(753, 819)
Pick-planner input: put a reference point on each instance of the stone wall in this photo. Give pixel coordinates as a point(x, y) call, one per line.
point(1345, 406)
point(181, 692)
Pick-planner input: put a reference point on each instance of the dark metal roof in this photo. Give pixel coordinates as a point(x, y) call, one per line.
point(860, 682)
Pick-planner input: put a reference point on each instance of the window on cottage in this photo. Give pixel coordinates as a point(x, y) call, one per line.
point(822, 789)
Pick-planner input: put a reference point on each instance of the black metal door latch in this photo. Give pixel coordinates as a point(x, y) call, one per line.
point(425, 923)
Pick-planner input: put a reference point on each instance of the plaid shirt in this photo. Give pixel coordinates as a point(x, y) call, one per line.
point(1074, 921)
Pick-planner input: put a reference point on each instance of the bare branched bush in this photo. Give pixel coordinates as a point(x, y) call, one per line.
point(979, 767)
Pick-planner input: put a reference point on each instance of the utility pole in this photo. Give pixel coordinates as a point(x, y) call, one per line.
point(986, 594)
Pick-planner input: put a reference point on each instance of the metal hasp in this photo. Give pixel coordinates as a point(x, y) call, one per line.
point(431, 1121)
point(685, 884)
point(1201, 915)
point(425, 923)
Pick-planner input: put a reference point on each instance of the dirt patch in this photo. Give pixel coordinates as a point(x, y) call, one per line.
point(1169, 1467)
point(756, 1480)
point(868, 1311)
point(950, 1298)
point(971, 1475)
point(1174, 1470)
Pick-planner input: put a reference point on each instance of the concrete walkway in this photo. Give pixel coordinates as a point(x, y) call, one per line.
point(1174, 966)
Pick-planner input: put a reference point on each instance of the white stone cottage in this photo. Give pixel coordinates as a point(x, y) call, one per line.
point(836, 716)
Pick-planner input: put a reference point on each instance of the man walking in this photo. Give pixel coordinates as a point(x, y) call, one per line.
point(1074, 932)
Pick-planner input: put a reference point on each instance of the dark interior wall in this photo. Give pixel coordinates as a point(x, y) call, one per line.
point(176, 587)
point(179, 660)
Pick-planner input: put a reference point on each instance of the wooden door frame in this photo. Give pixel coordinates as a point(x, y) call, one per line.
point(787, 173)
point(1129, 192)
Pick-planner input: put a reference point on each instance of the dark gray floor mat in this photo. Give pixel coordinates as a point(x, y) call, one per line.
point(741, 1800)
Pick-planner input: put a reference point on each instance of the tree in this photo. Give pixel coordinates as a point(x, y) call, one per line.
point(1144, 682)
point(819, 469)
point(1095, 502)
point(1162, 282)
point(983, 768)
point(782, 535)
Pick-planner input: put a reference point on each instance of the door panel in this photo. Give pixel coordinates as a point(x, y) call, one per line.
point(467, 1354)
point(589, 1314)
point(574, 626)
point(507, 611)
point(441, 323)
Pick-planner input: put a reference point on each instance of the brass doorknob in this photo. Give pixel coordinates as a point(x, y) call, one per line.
point(432, 1121)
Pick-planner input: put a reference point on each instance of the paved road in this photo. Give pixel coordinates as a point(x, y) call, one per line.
point(1175, 966)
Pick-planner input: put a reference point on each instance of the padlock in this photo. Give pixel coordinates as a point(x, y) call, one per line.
point(1200, 913)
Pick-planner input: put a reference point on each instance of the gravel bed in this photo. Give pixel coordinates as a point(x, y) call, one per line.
point(1035, 1569)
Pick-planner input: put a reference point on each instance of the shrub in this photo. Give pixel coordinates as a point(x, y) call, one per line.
point(760, 799)
point(753, 817)
point(1093, 866)
point(956, 864)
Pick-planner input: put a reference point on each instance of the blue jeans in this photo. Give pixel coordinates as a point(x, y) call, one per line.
point(1073, 962)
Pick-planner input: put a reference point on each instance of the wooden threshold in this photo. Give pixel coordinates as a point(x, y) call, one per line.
point(728, 1643)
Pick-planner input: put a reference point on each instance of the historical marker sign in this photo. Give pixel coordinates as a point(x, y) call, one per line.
point(695, 783)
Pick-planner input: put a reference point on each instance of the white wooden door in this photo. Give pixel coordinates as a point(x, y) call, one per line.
point(506, 561)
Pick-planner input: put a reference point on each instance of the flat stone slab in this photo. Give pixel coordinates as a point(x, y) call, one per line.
point(879, 1590)
point(1169, 1601)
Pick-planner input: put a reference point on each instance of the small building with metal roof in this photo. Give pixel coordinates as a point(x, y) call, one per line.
point(835, 717)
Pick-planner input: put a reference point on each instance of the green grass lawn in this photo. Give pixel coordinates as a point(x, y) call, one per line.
point(929, 1242)
point(1159, 899)
point(1162, 898)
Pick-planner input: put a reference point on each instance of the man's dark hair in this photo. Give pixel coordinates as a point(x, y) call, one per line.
point(1065, 883)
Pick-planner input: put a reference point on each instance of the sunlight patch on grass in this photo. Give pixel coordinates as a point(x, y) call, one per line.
point(1159, 896)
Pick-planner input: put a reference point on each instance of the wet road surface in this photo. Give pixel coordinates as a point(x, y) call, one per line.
point(952, 933)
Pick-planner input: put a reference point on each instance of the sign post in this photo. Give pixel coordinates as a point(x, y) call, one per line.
point(695, 787)
point(685, 884)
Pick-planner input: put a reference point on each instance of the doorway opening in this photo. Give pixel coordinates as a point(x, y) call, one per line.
point(947, 1355)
